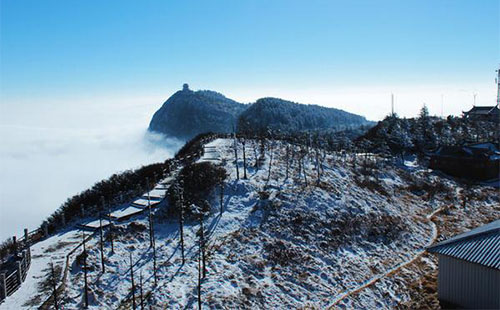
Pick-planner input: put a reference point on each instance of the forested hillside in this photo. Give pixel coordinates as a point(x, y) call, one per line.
point(188, 113)
point(424, 133)
point(275, 224)
point(289, 117)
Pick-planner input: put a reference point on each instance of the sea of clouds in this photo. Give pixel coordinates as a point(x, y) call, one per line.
point(50, 151)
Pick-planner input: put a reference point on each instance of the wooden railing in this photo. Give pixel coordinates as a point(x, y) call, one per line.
point(60, 289)
point(11, 281)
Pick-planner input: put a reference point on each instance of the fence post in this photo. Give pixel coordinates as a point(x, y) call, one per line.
point(19, 276)
point(26, 238)
point(3, 286)
point(14, 242)
point(23, 265)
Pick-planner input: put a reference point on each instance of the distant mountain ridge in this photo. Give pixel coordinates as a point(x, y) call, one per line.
point(286, 116)
point(188, 113)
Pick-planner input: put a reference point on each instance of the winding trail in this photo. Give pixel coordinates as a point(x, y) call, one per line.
point(392, 270)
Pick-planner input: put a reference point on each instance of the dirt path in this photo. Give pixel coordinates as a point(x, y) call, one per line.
point(392, 270)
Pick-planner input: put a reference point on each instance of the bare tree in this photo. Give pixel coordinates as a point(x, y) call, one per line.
point(303, 164)
point(110, 231)
point(86, 288)
point(132, 280)
point(236, 156)
point(181, 221)
point(150, 220)
point(53, 280)
point(140, 288)
point(199, 276)
point(256, 155)
point(221, 197)
point(101, 243)
point(244, 160)
point(270, 160)
point(202, 244)
point(287, 160)
point(318, 167)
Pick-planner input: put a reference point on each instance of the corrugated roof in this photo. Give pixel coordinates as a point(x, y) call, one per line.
point(480, 245)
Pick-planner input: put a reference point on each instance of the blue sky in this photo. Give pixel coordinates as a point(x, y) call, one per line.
point(348, 54)
point(80, 80)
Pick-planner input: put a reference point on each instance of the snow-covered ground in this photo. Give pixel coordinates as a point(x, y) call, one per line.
point(53, 249)
point(280, 243)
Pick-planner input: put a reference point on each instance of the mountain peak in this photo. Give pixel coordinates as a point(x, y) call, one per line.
point(188, 113)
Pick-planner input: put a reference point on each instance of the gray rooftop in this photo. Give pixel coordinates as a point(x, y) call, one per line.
point(480, 245)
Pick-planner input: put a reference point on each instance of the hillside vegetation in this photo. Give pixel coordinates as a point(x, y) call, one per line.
point(188, 113)
point(304, 227)
point(424, 133)
point(289, 117)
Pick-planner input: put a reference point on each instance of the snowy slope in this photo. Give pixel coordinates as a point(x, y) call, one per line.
point(280, 243)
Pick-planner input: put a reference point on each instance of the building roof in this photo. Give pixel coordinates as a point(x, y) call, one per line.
point(484, 110)
point(476, 150)
point(480, 246)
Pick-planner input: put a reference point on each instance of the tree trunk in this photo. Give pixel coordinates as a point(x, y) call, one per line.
point(140, 288)
point(132, 280)
point(86, 287)
point(54, 285)
point(244, 161)
point(202, 243)
point(102, 245)
point(236, 158)
point(111, 232)
point(181, 229)
point(270, 161)
point(221, 198)
point(287, 161)
point(199, 278)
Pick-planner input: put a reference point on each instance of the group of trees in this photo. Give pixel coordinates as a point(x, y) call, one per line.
point(188, 113)
point(194, 186)
point(424, 133)
point(280, 115)
point(119, 188)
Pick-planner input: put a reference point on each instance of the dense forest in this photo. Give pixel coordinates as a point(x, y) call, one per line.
point(280, 115)
point(425, 133)
point(188, 113)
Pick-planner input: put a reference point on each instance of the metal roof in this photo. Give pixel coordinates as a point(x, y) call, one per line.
point(480, 245)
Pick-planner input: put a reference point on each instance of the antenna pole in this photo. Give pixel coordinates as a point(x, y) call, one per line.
point(392, 104)
point(498, 87)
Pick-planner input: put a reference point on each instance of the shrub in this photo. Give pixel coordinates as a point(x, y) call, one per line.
point(197, 182)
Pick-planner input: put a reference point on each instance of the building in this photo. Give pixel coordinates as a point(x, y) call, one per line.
point(478, 113)
point(479, 161)
point(469, 269)
point(490, 113)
